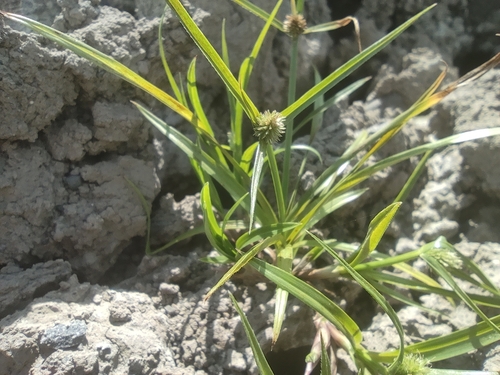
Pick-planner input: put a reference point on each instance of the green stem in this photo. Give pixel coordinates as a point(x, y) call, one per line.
point(292, 81)
point(335, 270)
point(273, 166)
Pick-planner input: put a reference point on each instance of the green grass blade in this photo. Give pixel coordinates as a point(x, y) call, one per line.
point(342, 94)
point(107, 63)
point(216, 260)
point(248, 64)
point(466, 275)
point(258, 354)
point(318, 209)
point(203, 122)
point(460, 372)
point(184, 236)
point(376, 230)
point(192, 91)
point(382, 302)
point(330, 81)
point(284, 262)
point(367, 172)
point(451, 345)
point(326, 368)
point(300, 6)
point(254, 9)
point(472, 268)
point(244, 76)
point(212, 230)
point(214, 59)
point(301, 147)
point(329, 206)
point(234, 137)
point(240, 263)
point(317, 119)
point(398, 296)
point(442, 272)
point(231, 211)
point(332, 25)
point(262, 233)
point(412, 180)
point(388, 131)
point(421, 287)
point(254, 186)
point(311, 297)
point(224, 176)
point(248, 155)
point(178, 94)
point(147, 210)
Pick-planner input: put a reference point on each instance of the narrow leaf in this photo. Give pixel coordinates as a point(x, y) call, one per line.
point(107, 63)
point(284, 262)
point(376, 230)
point(311, 297)
point(240, 263)
point(254, 186)
point(178, 94)
point(264, 232)
point(254, 9)
point(258, 354)
point(441, 271)
point(305, 100)
point(214, 59)
point(451, 345)
point(382, 302)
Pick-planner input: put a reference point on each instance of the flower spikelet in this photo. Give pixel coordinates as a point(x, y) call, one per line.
point(295, 24)
point(447, 258)
point(269, 127)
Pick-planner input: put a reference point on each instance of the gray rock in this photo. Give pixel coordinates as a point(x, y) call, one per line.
point(36, 85)
point(64, 336)
point(87, 341)
point(174, 218)
point(31, 188)
point(101, 217)
point(75, 13)
point(69, 141)
point(18, 287)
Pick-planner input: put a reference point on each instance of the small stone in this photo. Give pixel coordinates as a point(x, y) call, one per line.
point(119, 314)
point(168, 289)
point(73, 182)
point(65, 336)
point(64, 285)
point(236, 361)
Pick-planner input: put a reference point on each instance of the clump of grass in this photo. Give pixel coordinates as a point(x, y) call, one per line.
point(284, 229)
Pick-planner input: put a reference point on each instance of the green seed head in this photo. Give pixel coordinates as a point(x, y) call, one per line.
point(413, 364)
point(447, 258)
point(269, 127)
point(295, 25)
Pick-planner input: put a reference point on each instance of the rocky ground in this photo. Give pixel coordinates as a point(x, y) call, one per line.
point(77, 294)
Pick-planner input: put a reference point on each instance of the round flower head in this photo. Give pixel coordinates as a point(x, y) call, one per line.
point(295, 24)
point(269, 127)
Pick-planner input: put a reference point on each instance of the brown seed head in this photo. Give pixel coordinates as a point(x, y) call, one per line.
point(295, 24)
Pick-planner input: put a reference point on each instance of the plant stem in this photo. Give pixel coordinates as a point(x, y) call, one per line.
point(292, 81)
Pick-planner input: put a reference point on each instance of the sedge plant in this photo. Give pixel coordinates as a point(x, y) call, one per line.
point(282, 227)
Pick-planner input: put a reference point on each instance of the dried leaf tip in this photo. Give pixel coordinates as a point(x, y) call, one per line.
point(295, 25)
point(269, 127)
